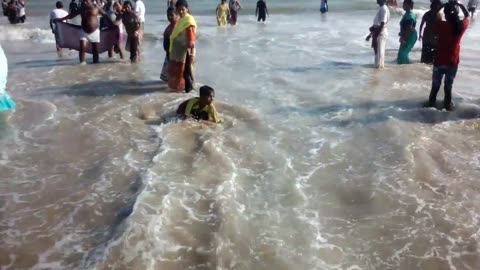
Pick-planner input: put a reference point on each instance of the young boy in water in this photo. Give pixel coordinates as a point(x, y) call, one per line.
point(200, 108)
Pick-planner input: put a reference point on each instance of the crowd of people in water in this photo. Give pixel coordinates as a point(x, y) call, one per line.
point(14, 10)
point(441, 31)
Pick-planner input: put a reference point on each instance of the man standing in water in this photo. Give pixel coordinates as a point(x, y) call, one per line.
point(58, 12)
point(450, 34)
point(90, 32)
point(261, 10)
point(379, 34)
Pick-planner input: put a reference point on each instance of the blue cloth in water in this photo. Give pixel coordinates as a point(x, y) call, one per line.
point(6, 103)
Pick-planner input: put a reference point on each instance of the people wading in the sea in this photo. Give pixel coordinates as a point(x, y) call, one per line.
point(379, 33)
point(172, 17)
point(450, 33)
point(261, 11)
point(234, 6)
point(57, 13)
point(222, 13)
point(408, 33)
point(90, 32)
point(428, 37)
point(181, 68)
point(6, 103)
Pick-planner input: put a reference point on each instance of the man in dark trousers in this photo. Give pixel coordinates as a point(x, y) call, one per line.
point(450, 33)
point(261, 11)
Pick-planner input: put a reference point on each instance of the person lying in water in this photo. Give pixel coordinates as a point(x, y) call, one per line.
point(200, 108)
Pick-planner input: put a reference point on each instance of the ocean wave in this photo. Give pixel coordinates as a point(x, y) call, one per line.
point(15, 33)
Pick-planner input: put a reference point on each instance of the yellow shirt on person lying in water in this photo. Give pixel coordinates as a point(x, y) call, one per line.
point(208, 113)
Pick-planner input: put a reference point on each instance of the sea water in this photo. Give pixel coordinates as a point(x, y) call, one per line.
point(321, 162)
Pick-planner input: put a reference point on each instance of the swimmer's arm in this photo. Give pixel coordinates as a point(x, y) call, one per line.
point(213, 115)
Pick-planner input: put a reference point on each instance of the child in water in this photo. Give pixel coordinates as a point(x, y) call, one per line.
point(222, 13)
point(200, 108)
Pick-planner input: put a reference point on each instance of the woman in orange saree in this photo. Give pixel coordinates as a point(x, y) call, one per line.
point(181, 68)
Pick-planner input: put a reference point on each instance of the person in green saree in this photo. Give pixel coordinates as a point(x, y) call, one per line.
point(181, 68)
point(408, 33)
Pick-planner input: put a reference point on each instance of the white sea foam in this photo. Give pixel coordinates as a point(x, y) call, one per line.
point(19, 33)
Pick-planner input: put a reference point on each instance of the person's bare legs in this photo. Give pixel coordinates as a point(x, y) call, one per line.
point(83, 48)
point(95, 52)
point(59, 52)
point(120, 51)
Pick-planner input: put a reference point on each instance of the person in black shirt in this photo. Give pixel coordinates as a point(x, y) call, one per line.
point(261, 11)
point(73, 7)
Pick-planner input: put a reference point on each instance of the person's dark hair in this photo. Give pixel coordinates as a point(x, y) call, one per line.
point(409, 3)
point(451, 15)
point(434, 4)
point(170, 9)
point(181, 3)
point(206, 91)
point(59, 4)
point(127, 3)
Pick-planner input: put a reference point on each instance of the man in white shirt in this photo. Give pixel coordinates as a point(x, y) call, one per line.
point(379, 33)
point(57, 13)
point(140, 10)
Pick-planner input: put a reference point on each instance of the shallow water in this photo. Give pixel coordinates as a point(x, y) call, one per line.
point(322, 162)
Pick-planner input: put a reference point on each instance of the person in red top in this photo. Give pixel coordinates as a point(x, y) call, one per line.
point(450, 33)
